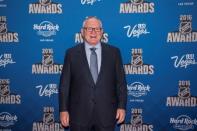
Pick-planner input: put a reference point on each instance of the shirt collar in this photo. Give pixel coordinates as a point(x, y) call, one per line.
point(88, 46)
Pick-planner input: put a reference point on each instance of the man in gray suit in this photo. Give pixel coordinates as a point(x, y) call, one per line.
point(93, 92)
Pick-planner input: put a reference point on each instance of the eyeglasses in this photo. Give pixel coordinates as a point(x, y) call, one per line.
point(90, 29)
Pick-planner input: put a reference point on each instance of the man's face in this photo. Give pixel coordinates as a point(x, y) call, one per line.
point(92, 31)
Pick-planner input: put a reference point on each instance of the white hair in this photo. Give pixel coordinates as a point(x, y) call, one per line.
point(91, 17)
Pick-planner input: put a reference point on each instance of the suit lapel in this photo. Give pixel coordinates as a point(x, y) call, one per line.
point(103, 59)
point(85, 65)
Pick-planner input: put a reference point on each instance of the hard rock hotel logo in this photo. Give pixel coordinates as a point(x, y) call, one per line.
point(184, 98)
point(183, 123)
point(48, 122)
point(47, 66)
point(3, 4)
point(137, 90)
point(137, 6)
point(46, 29)
point(136, 123)
point(137, 65)
point(6, 120)
point(5, 35)
point(6, 97)
point(79, 38)
point(45, 7)
point(6, 59)
point(185, 33)
point(185, 3)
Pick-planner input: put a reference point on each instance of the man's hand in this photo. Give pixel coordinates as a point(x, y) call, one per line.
point(120, 115)
point(64, 118)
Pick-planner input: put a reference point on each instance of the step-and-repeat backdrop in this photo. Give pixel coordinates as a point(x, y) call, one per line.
point(157, 39)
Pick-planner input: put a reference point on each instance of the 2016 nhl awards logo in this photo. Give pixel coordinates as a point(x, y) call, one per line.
point(5, 35)
point(46, 29)
point(183, 122)
point(137, 65)
point(48, 123)
point(45, 7)
point(47, 66)
point(136, 123)
point(79, 38)
point(48, 118)
point(4, 88)
point(184, 98)
point(185, 33)
point(6, 97)
point(47, 57)
point(137, 89)
point(6, 59)
point(137, 6)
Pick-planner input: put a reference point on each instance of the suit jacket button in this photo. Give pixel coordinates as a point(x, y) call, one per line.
point(93, 101)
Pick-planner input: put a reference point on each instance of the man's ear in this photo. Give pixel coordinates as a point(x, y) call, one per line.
point(82, 33)
point(102, 32)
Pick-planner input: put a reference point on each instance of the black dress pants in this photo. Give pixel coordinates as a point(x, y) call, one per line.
point(93, 125)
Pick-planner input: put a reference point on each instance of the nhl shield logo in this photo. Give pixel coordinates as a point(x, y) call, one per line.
point(185, 27)
point(4, 90)
point(45, 2)
point(48, 118)
point(47, 59)
point(137, 2)
point(184, 92)
point(137, 60)
point(3, 28)
point(136, 120)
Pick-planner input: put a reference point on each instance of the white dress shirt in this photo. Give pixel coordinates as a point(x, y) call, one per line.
point(98, 53)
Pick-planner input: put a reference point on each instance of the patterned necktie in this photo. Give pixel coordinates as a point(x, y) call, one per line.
point(93, 64)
